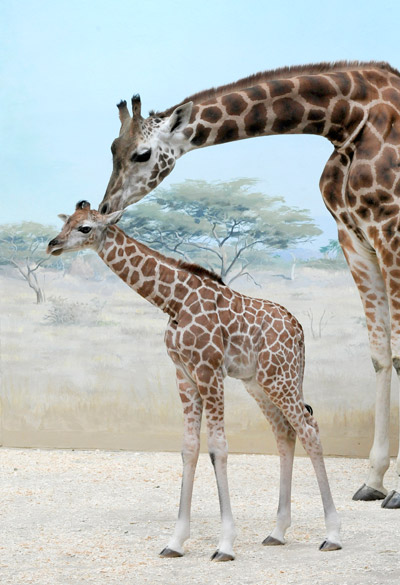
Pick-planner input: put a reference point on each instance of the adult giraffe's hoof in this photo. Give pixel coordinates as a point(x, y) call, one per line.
point(368, 494)
point(271, 541)
point(327, 546)
point(221, 557)
point(392, 500)
point(168, 553)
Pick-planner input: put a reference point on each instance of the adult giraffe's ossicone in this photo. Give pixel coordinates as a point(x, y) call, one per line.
point(354, 105)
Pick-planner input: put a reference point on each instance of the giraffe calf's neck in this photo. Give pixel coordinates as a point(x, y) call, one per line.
point(164, 282)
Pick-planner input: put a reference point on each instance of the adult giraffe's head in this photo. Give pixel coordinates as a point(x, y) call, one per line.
point(143, 154)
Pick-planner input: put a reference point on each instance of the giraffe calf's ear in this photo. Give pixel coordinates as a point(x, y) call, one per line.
point(113, 218)
point(63, 217)
point(180, 117)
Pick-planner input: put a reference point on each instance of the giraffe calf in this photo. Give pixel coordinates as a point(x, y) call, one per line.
point(214, 332)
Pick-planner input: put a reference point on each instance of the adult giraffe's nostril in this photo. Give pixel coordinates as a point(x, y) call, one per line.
point(54, 242)
point(104, 209)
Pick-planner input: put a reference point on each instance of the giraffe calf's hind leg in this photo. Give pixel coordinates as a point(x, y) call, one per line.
point(306, 428)
point(309, 435)
point(286, 441)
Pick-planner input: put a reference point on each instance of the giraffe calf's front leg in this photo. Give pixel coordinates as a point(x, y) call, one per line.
point(182, 527)
point(211, 387)
point(219, 458)
point(192, 413)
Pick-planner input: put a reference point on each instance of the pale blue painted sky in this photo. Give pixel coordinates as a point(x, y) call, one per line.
point(66, 63)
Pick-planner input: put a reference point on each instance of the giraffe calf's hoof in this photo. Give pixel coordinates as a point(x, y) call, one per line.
point(327, 546)
point(392, 501)
point(368, 494)
point(221, 557)
point(168, 553)
point(271, 541)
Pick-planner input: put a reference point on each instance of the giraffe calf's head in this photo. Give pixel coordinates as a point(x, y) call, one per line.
point(86, 228)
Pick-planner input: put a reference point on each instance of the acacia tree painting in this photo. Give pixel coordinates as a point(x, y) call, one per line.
point(23, 247)
point(230, 227)
point(219, 224)
point(332, 250)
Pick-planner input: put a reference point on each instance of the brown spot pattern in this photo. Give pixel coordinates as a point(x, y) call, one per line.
point(211, 114)
point(255, 121)
point(234, 104)
point(317, 91)
point(201, 135)
point(227, 132)
point(289, 114)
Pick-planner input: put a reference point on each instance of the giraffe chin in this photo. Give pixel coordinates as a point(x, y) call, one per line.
point(56, 252)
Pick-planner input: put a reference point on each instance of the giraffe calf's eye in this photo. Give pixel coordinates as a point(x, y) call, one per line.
point(141, 157)
point(85, 229)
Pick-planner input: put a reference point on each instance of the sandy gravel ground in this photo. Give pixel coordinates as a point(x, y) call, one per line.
point(95, 517)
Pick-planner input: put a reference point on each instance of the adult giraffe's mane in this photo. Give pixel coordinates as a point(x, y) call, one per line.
point(280, 73)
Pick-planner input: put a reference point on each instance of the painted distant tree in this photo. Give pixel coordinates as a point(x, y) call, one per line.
point(23, 246)
point(332, 250)
point(218, 224)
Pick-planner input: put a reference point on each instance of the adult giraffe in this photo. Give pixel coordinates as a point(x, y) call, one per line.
point(357, 107)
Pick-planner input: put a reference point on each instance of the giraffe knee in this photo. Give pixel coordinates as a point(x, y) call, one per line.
point(190, 451)
point(396, 365)
point(382, 364)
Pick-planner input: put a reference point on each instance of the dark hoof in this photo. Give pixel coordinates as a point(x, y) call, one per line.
point(168, 553)
point(392, 501)
point(271, 541)
point(328, 546)
point(368, 494)
point(221, 557)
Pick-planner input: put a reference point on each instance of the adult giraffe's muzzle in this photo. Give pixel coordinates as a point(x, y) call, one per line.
point(52, 249)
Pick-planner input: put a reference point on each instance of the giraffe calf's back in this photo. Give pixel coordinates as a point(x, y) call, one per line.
point(263, 338)
point(245, 336)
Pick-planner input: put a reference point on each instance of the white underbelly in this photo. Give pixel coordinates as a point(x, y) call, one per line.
point(242, 368)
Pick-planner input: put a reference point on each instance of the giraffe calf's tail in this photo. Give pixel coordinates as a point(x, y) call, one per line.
point(309, 408)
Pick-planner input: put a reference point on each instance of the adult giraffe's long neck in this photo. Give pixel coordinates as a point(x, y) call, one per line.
point(331, 104)
point(155, 277)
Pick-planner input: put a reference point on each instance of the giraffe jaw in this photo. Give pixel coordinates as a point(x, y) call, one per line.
point(55, 252)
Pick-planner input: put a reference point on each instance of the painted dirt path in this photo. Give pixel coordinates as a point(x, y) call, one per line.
point(98, 517)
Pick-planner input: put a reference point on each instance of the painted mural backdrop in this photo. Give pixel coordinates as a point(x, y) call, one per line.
point(82, 356)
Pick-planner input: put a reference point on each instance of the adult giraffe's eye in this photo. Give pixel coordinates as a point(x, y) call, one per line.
point(141, 157)
point(85, 229)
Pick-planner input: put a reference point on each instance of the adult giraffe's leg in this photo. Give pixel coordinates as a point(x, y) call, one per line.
point(391, 275)
point(365, 269)
point(211, 387)
point(192, 411)
point(286, 442)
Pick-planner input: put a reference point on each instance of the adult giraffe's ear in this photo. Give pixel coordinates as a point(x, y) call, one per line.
point(180, 117)
point(113, 218)
point(64, 217)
